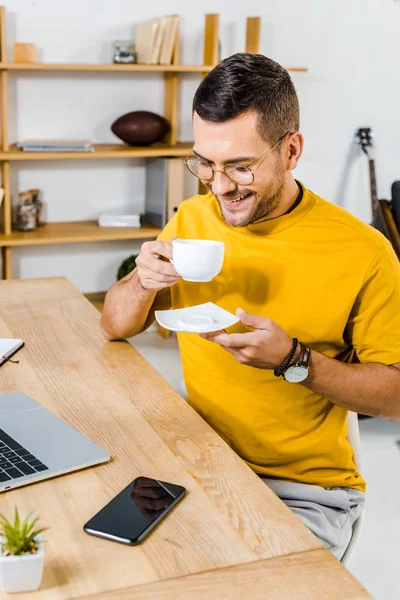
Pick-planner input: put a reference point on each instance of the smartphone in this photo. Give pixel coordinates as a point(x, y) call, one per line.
point(133, 513)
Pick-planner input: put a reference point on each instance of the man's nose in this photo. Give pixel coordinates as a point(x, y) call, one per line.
point(221, 184)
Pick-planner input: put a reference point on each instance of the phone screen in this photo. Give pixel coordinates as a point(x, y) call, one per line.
point(131, 515)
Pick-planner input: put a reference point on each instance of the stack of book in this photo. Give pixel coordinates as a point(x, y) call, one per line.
point(119, 220)
point(155, 40)
point(55, 146)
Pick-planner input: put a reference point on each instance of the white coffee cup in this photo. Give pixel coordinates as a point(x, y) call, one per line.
point(197, 260)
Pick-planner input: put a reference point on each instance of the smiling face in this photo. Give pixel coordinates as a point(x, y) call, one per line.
point(224, 143)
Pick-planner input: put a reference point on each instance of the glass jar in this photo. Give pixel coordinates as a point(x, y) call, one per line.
point(124, 53)
point(37, 201)
point(26, 213)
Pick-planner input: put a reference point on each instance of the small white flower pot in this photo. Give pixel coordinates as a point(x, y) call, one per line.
point(22, 573)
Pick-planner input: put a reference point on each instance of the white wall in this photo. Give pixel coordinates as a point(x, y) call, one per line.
point(351, 48)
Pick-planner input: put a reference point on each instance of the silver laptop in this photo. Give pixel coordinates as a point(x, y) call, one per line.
point(35, 444)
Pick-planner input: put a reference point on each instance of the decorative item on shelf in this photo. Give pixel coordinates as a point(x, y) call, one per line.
point(38, 202)
point(24, 53)
point(127, 266)
point(21, 554)
point(124, 53)
point(25, 212)
point(141, 128)
point(55, 146)
point(107, 220)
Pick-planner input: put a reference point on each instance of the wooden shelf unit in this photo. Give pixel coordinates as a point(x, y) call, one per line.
point(137, 68)
point(89, 231)
point(101, 151)
point(118, 68)
point(73, 232)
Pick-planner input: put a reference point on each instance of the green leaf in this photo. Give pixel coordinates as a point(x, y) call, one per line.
point(17, 520)
point(20, 536)
point(29, 526)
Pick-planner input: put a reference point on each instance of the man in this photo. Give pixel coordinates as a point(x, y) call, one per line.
point(296, 268)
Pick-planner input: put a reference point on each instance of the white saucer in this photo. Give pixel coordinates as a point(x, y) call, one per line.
point(202, 318)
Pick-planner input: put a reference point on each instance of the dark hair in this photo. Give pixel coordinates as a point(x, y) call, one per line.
point(250, 82)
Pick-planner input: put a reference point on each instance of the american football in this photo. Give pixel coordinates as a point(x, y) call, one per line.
point(140, 128)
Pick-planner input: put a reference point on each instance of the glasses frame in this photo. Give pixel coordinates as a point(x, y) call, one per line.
point(252, 169)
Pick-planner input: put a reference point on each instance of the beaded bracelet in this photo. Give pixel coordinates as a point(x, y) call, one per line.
point(282, 369)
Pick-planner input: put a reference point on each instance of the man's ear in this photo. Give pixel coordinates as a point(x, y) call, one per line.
point(295, 150)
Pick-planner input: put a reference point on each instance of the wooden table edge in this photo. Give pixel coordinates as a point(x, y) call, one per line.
point(279, 562)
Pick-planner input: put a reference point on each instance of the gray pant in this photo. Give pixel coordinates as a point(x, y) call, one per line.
point(328, 512)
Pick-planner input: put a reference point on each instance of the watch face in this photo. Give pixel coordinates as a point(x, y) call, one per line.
point(296, 374)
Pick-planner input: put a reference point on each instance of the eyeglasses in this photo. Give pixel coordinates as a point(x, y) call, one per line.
point(237, 173)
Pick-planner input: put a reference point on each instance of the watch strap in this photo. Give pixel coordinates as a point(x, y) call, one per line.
point(305, 356)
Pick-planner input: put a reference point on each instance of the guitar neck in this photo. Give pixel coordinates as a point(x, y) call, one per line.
point(374, 194)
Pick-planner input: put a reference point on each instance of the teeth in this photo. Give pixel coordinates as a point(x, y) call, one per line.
point(237, 199)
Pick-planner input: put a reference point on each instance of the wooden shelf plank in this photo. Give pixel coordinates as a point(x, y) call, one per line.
point(103, 151)
point(117, 68)
point(75, 232)
point(105, 67)
point(297, 69)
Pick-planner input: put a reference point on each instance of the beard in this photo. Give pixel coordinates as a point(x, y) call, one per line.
point(257, 207)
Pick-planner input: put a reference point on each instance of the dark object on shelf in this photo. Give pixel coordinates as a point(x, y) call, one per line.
point(126, 266)
point(141, 128)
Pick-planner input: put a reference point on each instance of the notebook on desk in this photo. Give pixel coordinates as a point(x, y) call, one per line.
point(8, 347)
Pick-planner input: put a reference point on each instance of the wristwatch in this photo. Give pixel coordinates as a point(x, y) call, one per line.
point(299, 371)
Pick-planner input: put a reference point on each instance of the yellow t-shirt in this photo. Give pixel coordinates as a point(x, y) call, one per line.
point(328, 279)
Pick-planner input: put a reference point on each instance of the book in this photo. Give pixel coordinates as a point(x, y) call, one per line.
point(118, 220)
point(55, 146)
point(146, 40)
point(158, 40)
point(8, 347)
point(169, 39)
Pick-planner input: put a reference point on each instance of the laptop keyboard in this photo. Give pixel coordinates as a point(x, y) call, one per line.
point(15, 460)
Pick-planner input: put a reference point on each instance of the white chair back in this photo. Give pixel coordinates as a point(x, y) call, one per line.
point(353, 437)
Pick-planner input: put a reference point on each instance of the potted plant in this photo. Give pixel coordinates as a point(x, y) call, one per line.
point(21, 554)
point(126, 266)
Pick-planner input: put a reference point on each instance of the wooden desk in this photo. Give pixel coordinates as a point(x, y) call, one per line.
point(227, 528)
